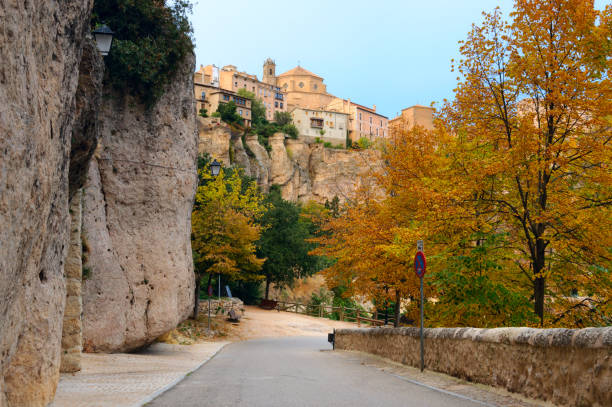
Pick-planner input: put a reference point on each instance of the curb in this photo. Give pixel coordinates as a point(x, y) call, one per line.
point(167, 387)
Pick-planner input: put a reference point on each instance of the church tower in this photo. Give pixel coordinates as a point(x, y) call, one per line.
point(269, 72)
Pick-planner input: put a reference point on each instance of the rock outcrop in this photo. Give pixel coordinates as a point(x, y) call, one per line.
point(214, 138)
point(303, 171)
point(42, 43)
point(137, 219)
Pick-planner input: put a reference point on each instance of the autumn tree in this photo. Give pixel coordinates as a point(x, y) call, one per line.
point(532, 118)
point(224, 227)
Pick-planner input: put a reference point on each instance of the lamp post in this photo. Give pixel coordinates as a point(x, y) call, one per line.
point(215, 168)
point(104, 39)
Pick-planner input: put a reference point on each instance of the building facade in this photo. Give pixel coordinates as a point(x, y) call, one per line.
point(304, 89)
point(209, 97)
point(272, 97)
point(416, 115)
point(363, 121)
point(325, 125)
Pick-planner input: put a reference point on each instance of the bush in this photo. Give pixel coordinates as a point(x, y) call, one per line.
point(151, 40)
point(318, 140)
point(327, 144)
point(203, 112)
point(364, 143)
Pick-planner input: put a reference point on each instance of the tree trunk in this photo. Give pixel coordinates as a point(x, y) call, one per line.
point(539, 282)
point(196, 306)
point(397, 308)
point(267, 287)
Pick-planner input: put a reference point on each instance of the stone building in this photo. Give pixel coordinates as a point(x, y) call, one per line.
point(229, 78)
point(208, 96)
point(363, 121)
point(328, 126)
point(414, 115)
point(304, 89)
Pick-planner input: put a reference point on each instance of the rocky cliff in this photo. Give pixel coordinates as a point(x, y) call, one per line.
point(137, 219)
point(303, 171)
point(41, 46)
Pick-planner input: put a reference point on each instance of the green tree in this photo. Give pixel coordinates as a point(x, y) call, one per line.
point(284, 242)
point(151, 40)
point(283, 118)
point(228, 113)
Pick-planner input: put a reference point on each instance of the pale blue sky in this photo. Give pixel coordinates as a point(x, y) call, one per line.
point(391, 53)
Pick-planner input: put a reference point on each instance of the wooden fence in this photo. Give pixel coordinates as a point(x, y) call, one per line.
point(341, 313)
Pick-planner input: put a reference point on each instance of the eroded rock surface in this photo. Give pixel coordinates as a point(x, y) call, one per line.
point(41, 43)
point(137, 219)
point(303, 171)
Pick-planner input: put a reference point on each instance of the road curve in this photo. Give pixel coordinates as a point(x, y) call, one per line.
point(297, 371)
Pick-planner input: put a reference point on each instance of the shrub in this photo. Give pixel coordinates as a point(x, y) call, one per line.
point(151, 40)
point(318, 140)
point(327, 144)
point(203, 112)
point(364, 143)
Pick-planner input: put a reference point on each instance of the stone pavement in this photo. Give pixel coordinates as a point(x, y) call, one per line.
point(130, 380)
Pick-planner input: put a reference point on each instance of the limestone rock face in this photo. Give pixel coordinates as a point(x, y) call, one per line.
point(137, 219)
point(260, 162)
point(214, 138)
point(87, 103)
point(40, 53)
point(338, 172)
point(303, 171)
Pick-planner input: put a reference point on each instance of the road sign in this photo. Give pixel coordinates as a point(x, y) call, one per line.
point(210, 291)
point(229, 293)
point(420, 246)
point(420, 264)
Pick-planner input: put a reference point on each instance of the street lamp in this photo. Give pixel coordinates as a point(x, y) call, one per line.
point(215, 167)
point(104, 39)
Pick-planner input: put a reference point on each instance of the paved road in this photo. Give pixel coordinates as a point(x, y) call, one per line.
point(294, 371)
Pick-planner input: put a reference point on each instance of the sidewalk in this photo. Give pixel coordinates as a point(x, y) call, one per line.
point(130, 380)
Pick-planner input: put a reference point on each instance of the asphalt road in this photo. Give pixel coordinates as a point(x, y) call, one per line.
point(297, 371)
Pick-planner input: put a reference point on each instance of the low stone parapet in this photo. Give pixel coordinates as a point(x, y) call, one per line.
point(564, 366)
point(222, 306)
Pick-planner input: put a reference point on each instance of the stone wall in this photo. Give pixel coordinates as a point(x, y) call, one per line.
point(71, 329)
point(222, 306)
point(137, 219)
point(565, 366)
point(41, 47)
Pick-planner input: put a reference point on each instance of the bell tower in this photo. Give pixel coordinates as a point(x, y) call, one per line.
point(269, 72)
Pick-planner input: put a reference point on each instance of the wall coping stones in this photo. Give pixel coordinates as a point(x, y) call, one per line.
point(558, 337)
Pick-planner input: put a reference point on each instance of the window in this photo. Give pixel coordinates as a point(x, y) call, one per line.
point(301, 85)
point(281, 105)
point(240, 112)
point(203, 95)
point(381, 123)
point(316, 123)
point(370, 120)
point(315, 86)
point(275, 104)
point(270, 71)
point(247, 113)
point(253, 88)
point(359, 116)
point(236, 84)
point(226, 97)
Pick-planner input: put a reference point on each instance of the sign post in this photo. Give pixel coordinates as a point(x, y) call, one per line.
point(210, 292)
point(420, 265)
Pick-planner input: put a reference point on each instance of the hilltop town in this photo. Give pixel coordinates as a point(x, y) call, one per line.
point(317, 114)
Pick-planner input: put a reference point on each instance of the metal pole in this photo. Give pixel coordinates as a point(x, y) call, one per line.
point(422, 357)
point(209, 313)
point(219, 292)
